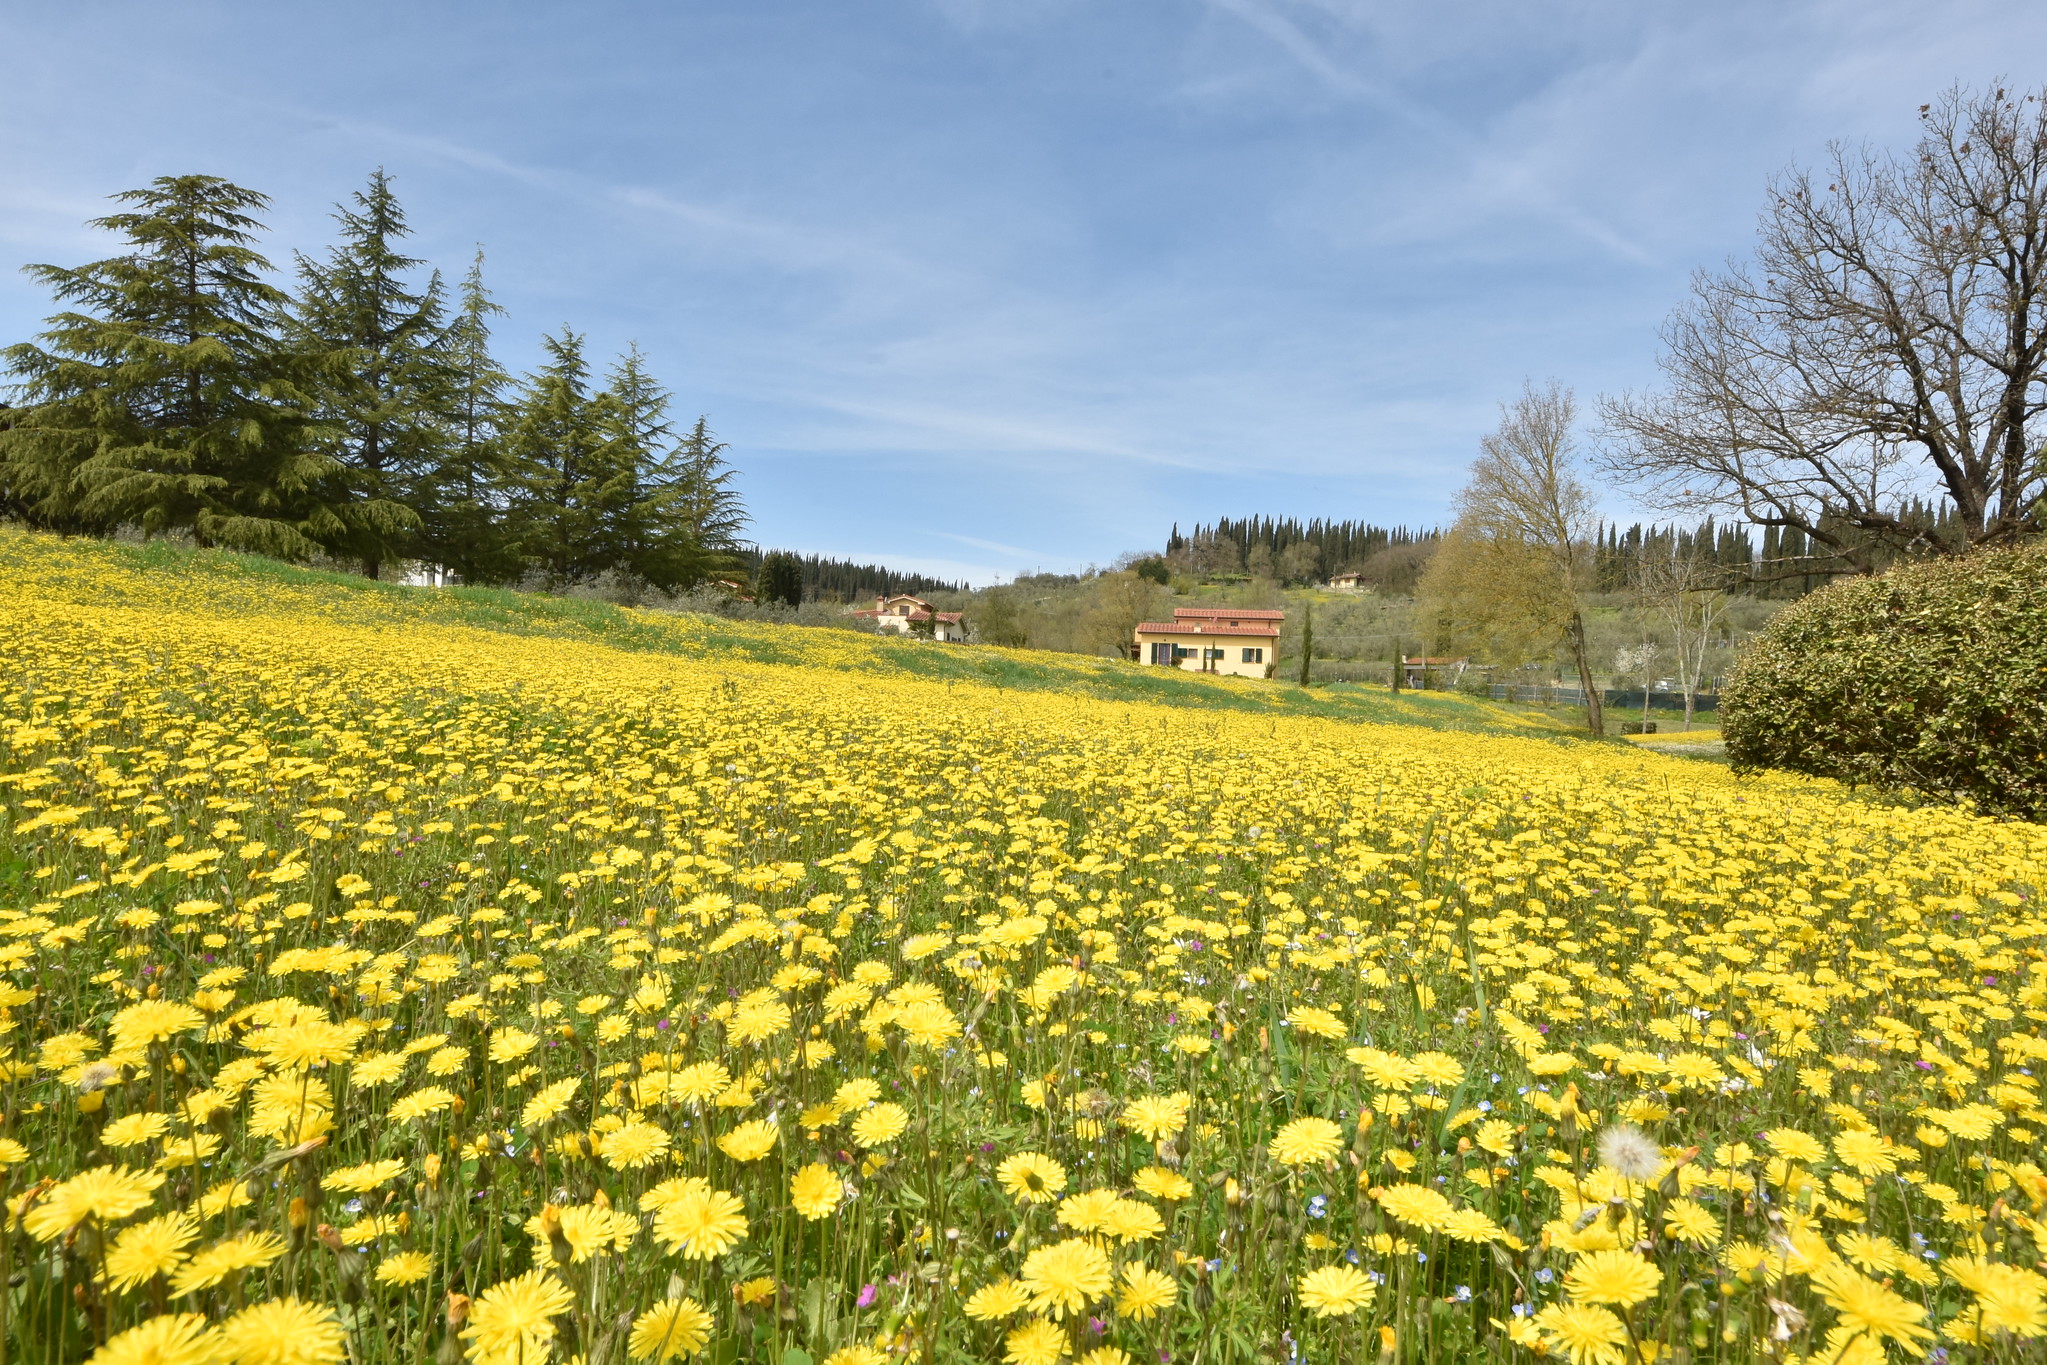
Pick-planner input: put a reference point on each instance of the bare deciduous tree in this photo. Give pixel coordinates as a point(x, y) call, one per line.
point(1685, 591)
point(1525, 506)
point(1887, 344)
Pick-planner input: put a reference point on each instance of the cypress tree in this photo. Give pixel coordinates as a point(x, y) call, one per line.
point(781, 579)
point(386, 387)
point(162, 400)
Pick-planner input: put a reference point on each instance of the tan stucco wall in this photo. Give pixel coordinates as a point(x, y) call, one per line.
point(1233, 647)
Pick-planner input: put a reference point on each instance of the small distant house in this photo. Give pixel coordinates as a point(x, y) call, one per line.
point(1347, 582)
point(423, 575)
point(1428, 668)
point(1233, 640)
point(903, 614)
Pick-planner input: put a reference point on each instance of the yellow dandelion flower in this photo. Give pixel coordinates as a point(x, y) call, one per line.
point(701, 1224)
point(153, 1021)
point(635, 1144)
point(859, 1353)
point(510, 1044)
point(133, 1130)
point(1002, 1299)
point(363, 1178)
point(1031, 1177)
point(1145, 1293)
point(284, 1332)
point(815, 1191)
point(750, 1141)
point(1306, 1141)
point(880, 1125)
point(1066, 1277)
point(168, 1339)
point(1037, 1342)
point(1336, 1291)
point(1157, 1117)
point(148, 1249)
point(105, 1193)
point(1793, 1145)
point(250, 1251)
point(404, 1267)
point(1162, 1184)
point(670, 1330)
point(1620, 1278)
point(1583, 1333)
point(512, 1322)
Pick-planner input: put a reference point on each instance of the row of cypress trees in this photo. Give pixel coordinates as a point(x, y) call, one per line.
point(359, 416)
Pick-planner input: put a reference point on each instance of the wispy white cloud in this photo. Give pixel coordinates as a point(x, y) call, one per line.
point(1014, 552)
point(1511, 177)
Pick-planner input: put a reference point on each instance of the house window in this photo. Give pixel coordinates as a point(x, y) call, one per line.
point(1212, 653)
point(1181, 652)
point(1254, 656)
point(1161, 652)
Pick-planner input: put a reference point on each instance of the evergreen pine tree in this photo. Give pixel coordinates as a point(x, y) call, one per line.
point(678, 520)
point(163, 400)
point(386, 387)
point(563, 478)
point(712, 506)
point(647, 522)
point(464, 499)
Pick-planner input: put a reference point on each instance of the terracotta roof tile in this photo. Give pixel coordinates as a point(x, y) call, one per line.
point(1268, 632)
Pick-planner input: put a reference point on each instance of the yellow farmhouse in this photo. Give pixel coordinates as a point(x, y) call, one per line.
point(1213, 640)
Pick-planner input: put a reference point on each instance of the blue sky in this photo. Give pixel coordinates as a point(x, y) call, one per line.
point(981, 286)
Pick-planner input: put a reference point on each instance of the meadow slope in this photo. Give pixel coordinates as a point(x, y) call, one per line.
point(388, 974)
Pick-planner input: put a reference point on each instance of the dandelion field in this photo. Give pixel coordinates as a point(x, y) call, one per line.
point(383, 989)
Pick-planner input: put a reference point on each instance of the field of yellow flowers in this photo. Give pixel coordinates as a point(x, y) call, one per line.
point(383, 989)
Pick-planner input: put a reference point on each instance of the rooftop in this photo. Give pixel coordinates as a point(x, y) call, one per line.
point(1230, 613)
point(1268, 630)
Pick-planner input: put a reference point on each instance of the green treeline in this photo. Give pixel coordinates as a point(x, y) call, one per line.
point(841, 580)
point(1291, 551)
point(1783, 562)
point(358, 415)
point(1766, 561)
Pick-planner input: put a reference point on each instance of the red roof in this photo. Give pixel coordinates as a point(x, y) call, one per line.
point(1228, 614)
point(1205, 628)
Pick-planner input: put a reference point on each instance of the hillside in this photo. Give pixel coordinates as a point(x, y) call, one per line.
point(161, 576)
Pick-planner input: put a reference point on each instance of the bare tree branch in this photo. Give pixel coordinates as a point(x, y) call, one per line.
point(1883, 354)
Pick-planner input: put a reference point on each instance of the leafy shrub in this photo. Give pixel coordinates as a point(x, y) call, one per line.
point(1932, 677)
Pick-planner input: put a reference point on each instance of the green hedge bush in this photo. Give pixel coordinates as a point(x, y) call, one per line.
point(1930, 678)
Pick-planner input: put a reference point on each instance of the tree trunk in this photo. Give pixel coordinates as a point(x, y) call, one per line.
point(1595, 718)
